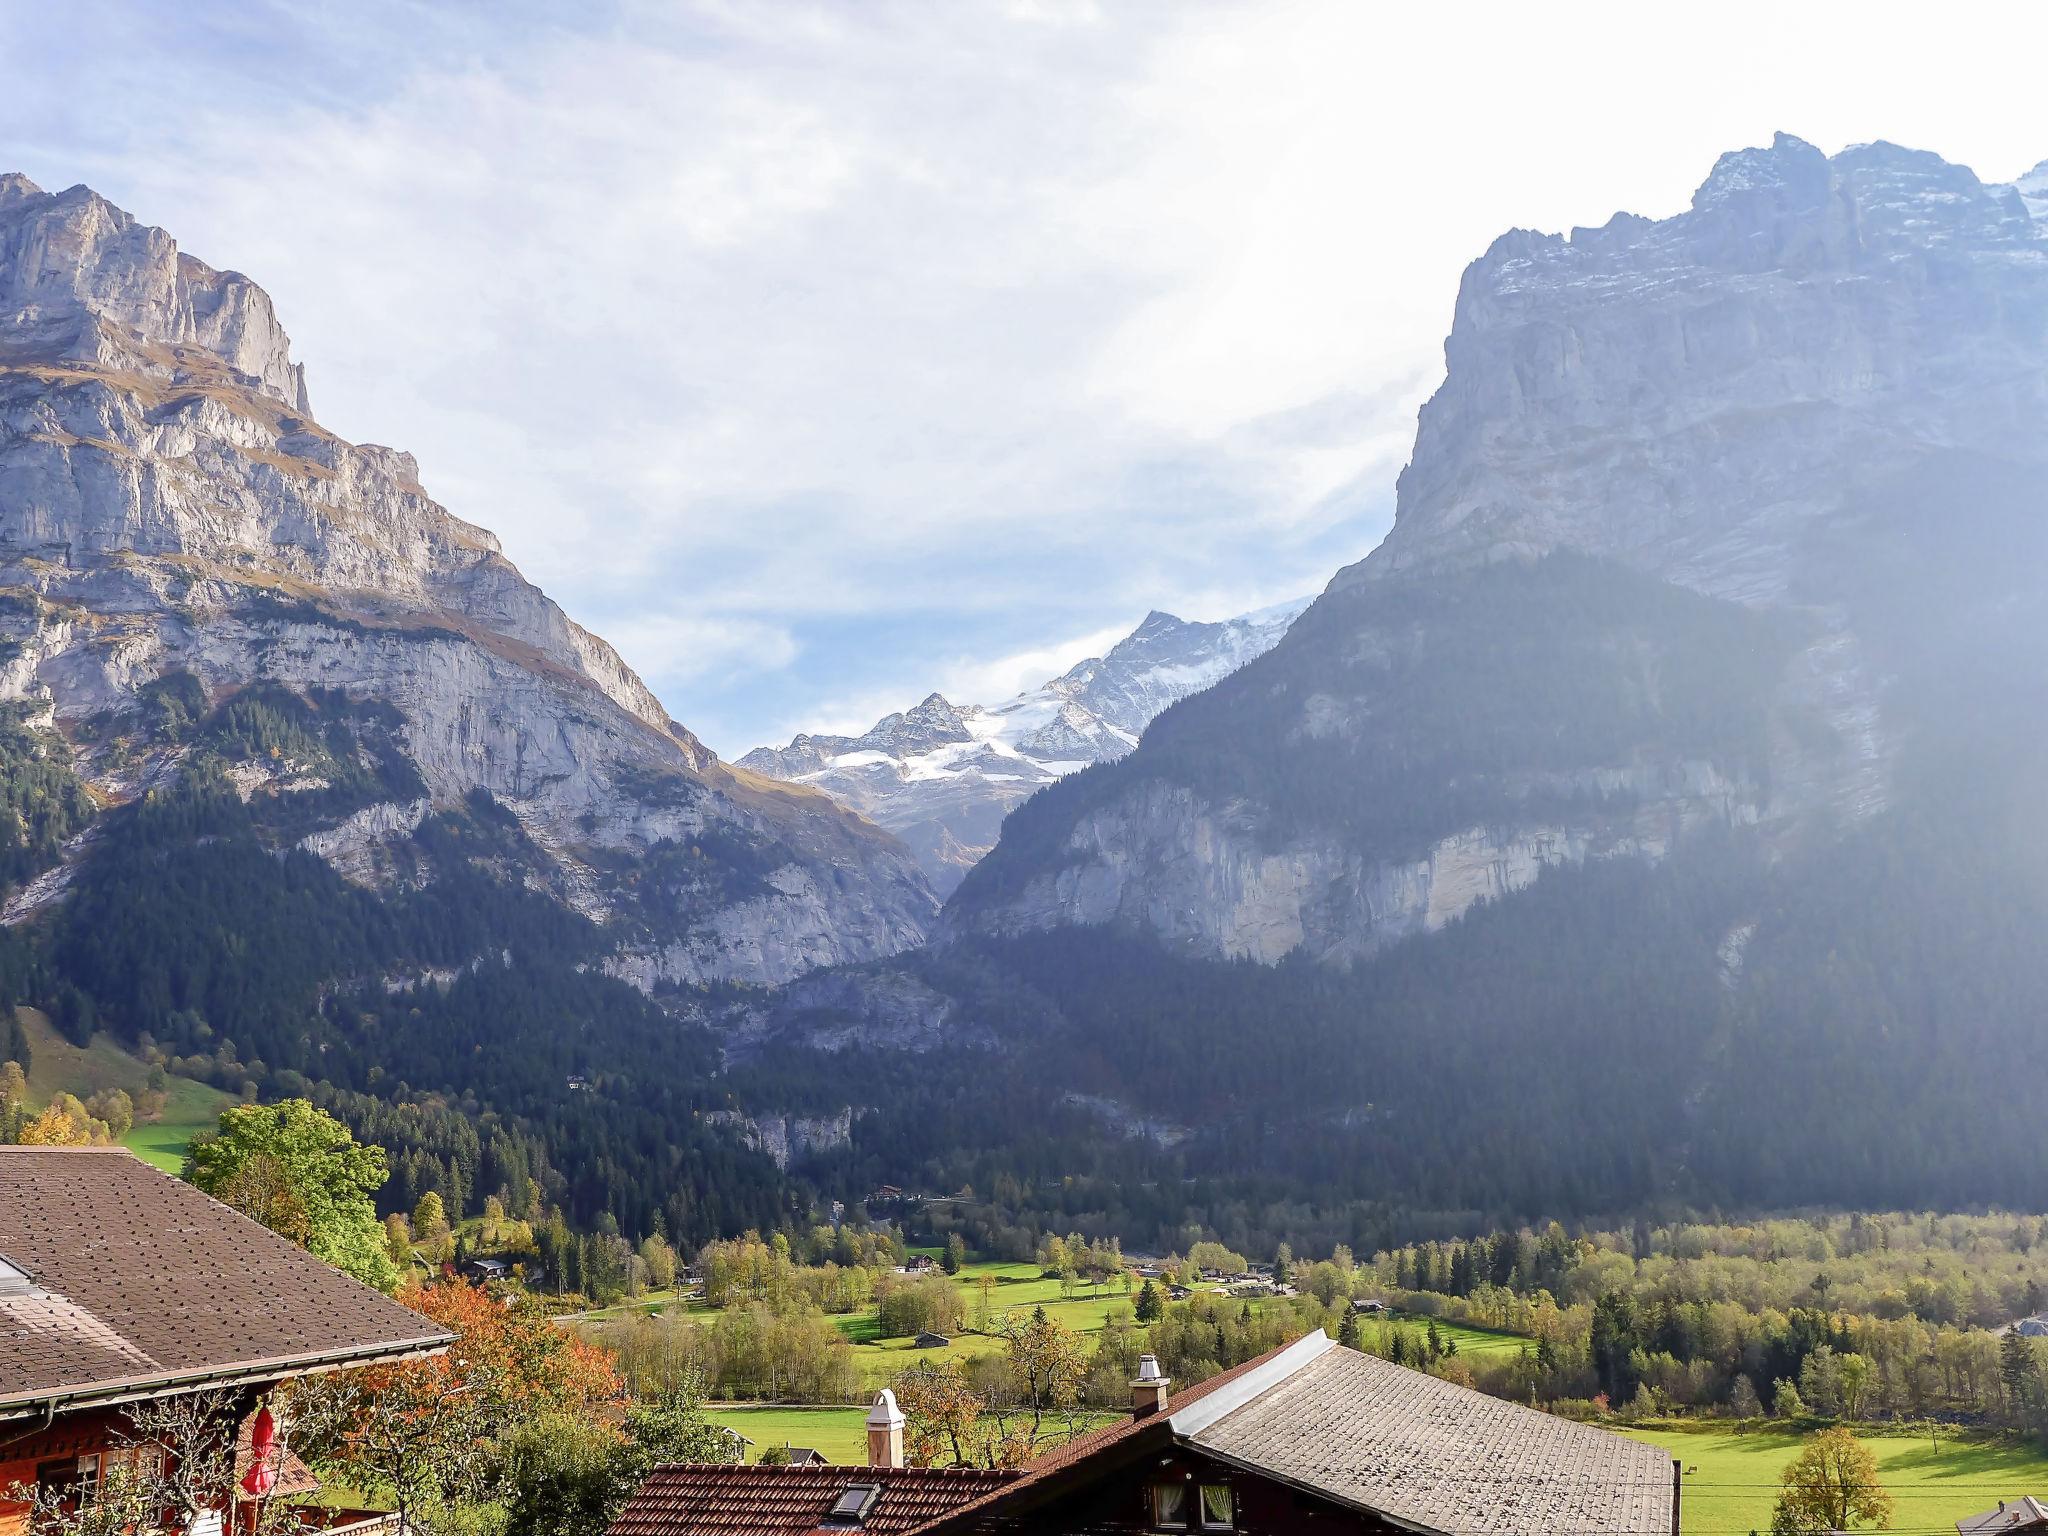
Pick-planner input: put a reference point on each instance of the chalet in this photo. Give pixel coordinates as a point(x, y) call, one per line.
point(484, 1271)
point(930, 1341)
point(919, 1264)
point(121, 1286)
point(1368, 1304)
point(1310, 1438)
point(2024, 1516)
point(1178, 1293)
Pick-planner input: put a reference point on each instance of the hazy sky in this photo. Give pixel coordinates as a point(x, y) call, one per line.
point(820, 356)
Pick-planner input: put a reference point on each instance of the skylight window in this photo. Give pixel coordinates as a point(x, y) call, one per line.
point(12, 1278)
point(853, 1505)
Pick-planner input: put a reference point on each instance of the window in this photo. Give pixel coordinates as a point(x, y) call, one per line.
point(1170, 1506)
point(1219, 1513)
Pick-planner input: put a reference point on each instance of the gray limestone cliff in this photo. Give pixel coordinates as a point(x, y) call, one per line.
point(1659, 564)
point(169, 508)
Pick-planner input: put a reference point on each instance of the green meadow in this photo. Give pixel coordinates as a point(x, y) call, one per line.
point(57, 1066)
point(1731, 1475)
point(837, 1434)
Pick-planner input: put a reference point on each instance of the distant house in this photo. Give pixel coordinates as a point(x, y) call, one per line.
point(930, 1341)
point(577, 1083)
point(920, 1264)
point(1368, 1304)
point(121, 1286)
point(2032, 1327)
point(487, 1269)
point(804, 1456)
point(1149, 1272)
point(735, 1443)
point(885, 1194)
point(2024, 1514)
point(1309, 1438)
point(1178, 1293)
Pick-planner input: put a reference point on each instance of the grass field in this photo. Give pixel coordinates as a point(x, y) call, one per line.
point(837, 1434)
point(1731, 1478)
point(1018, 1288)
point(57, 1066)
point(1470, 1341)
point(189, 1108)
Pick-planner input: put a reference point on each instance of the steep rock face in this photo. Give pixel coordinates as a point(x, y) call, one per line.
point(942, 776)
point(1644, 575)
point(169, 509)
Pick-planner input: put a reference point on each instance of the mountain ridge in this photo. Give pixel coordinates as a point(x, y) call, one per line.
point(168, 505)
point(1711, 403)
point(942, 776)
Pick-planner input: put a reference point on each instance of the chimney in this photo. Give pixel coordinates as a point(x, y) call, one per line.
point(1148, 1392)
point(885, 1432)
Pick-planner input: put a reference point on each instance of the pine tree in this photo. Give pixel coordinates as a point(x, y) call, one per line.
point(1347, 1330)
point(1148, 1307)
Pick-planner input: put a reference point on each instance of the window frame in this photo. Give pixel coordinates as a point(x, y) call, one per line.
point(1155, 1495)
point(1228, 1522)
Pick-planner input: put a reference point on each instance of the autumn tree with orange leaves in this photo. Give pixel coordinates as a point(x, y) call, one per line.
point(424, 1433)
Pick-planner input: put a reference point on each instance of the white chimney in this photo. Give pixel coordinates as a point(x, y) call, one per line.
point(1148, 1392)
point(885, 1432)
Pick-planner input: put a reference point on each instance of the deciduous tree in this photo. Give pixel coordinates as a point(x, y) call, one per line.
point(297, 1170)
point(1831, 1485)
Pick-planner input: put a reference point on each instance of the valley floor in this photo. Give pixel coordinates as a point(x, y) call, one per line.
point(1731, 1475)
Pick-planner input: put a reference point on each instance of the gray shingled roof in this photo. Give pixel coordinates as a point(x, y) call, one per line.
point(1436, 1456)
point(135, 1281)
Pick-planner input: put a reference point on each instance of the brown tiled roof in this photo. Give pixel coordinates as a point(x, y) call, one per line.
point(1436, 1456)
point(795, 1501)
point(137, 1282)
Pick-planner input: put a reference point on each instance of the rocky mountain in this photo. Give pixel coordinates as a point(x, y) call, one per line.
point(202, 589)
point(942, 776)
point(1652, 821)
point(1713, 520)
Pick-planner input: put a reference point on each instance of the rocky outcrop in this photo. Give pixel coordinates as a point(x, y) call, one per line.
point(942, 776)
point(786, 1139)
point(1741, 414)
point(168, 505)
point(868, 1009)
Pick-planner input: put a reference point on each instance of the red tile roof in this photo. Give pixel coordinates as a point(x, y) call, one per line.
point(795, 1501)
point(136, 1283)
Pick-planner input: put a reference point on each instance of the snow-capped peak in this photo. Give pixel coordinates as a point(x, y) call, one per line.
point(943, 775)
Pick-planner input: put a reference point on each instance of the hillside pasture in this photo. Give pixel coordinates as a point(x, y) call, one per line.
point(57, 1066)
point(1731, 1474)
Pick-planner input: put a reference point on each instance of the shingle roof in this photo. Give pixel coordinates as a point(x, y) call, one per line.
point(794, 1501)
point(137, 1280)
point(1109, 1438)
point(1431, 1454)
point(2026, 1513)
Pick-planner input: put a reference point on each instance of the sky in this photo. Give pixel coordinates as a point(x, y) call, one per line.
point(822, 356)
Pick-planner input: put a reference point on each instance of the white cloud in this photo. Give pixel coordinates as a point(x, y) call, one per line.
point(703, 646)
point(864, 335)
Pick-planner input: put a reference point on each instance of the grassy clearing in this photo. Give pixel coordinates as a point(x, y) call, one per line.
point(57, 1066)
point(838, 1434)
point(1731, 1478)
point(1018, 1289)
point(1470, 1341)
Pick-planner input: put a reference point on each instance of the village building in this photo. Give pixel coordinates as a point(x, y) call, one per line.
point(2024, 1516)
point(121, 1286)
point(1309, 1438)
